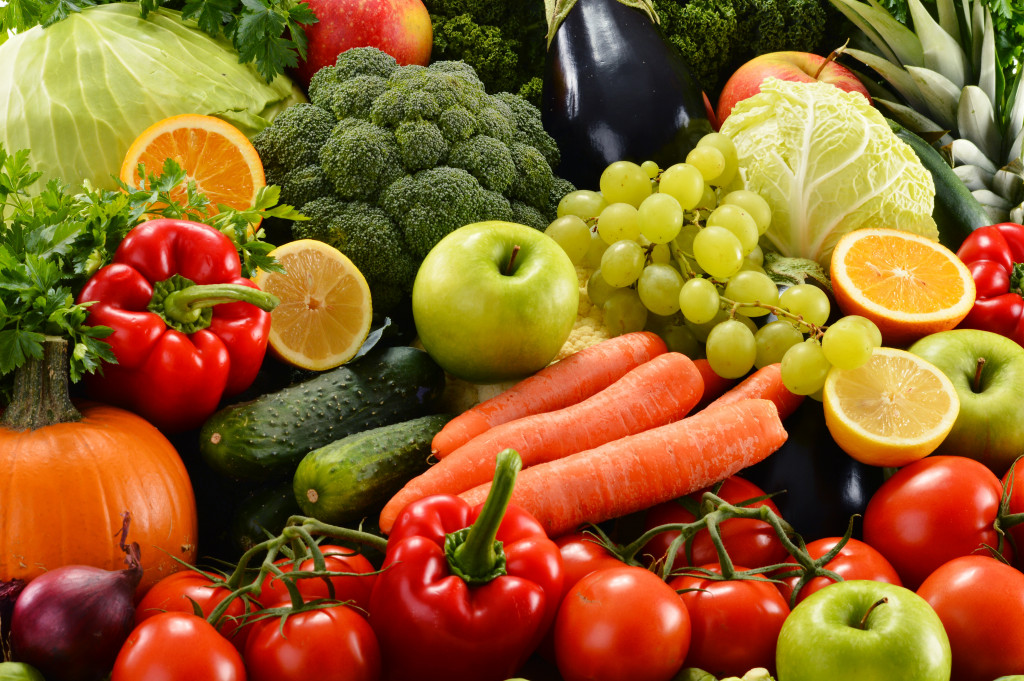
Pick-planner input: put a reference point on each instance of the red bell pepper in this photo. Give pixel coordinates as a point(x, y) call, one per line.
point(995, 257)
point(465, 592)
point(188, 329)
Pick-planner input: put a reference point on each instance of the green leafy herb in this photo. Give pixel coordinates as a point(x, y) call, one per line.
point(51, 242)
point(270, 34)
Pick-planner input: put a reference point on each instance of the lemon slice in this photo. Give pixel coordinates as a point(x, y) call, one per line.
point(324, 314)
point(895, 409)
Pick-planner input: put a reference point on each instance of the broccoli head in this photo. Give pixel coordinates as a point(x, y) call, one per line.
point(703, 31)
point(433, 203)
point(388, 159)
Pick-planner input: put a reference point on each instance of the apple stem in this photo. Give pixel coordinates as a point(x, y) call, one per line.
point(977, 375)
point(832, 56)
point(864, 619)
point(510, 267)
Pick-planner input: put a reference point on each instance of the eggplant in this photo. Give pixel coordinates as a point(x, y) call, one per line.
point(614, 89)
point(821, 485)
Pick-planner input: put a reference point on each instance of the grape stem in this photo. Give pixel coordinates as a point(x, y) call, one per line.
point(814, 331)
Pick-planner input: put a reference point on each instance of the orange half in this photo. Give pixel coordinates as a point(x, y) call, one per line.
point(215, 154)
point(907, 284)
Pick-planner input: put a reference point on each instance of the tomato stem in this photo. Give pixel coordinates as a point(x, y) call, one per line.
point(863, 624)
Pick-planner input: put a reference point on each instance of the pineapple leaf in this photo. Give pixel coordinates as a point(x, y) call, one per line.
point(897, 77)
point(989, 71)
point(895, 41)
point(942, 52)
point(976, 121)
point(914, 120)
point(940, 93)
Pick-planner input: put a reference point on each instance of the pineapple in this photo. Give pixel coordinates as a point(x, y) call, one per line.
point(944, 82)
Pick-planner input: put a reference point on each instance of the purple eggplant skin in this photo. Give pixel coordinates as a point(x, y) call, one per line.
point(70, 622)
point(614, 89)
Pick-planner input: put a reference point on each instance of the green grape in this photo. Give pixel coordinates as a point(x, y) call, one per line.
point(699, 300)
point(718, 252)
point(701, 330)
point(660, 254)
point(873, 332)
point(808, 302)
point(753, 203)
point(737, 221)
point(684, 183)
point(709, 161)
point(623, 312)
point(731, 349)
point(592, 260)
point(847, 343)
point(755, 257)
point(583, 203)
point(650, 168)
point(804, 368)
point(725, 145)
point(572, 234)
point(660, 217)
point(598, 290)
point(773, 339)
point(626, 182)
point(749, 287)
point(708, 201)
point(622, 263)
point(617, 222)
point(679, 338)
point(658, 287)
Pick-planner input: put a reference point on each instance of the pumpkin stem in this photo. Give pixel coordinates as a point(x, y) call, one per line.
point(41, 390)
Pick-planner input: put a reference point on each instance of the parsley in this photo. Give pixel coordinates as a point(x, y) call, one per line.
point(52, 242)
point(270, 34)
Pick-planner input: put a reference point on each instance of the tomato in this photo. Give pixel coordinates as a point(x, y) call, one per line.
point(931, 511)
point(581, 555)
point(353, 588)
point(735, 623)
point(335, 643)
point(980, 601)
point(749, 542)
point(1013, 481)
point(621, 624)
point(177, 591)
point(856, 560)
point(177, 646)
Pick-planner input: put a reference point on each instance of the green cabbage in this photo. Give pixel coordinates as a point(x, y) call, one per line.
point(827, 163)
point(78, 92)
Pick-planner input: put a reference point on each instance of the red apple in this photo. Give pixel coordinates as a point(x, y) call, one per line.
point(399, 27)
point(795, 66)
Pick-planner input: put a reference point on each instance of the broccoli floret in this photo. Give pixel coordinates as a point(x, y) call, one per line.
point(388, 159)
point(359, 158)
point(366, 234)
point(559, 188)
point(295, 137)
point(433, 203)
point(494, 57)
point(487, 159)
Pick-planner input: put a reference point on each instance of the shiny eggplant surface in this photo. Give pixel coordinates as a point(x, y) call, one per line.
point(614, 89)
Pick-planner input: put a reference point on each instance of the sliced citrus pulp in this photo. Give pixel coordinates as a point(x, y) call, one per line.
point(215, 154)
point(908, 285)
point(324, 314)
point(892, 411)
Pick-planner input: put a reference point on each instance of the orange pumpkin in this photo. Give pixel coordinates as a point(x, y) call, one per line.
point(66, 481)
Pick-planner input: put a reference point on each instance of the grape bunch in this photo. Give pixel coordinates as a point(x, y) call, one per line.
point(677, 251)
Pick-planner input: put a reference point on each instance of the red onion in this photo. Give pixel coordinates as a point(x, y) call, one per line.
point(71, 622)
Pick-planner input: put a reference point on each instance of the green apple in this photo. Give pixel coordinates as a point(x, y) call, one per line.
point(859, 630)
point(987, 370)
point(495, 301)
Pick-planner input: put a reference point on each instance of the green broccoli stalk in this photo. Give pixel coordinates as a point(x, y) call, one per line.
point(386, 160)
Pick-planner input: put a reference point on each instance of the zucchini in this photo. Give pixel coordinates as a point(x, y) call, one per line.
point(615, 89)
point(957, 213)
point(338, 483)
point(265, 438)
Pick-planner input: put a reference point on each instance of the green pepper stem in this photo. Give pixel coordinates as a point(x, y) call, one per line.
point(473, 553)
point(185, 306)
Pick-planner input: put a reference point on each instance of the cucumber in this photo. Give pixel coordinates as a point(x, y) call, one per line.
point(957, 213)
point(338, 483)
point(265, 510)
point(265, 438)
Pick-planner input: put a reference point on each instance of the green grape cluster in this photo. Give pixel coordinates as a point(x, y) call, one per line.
point(676, 251)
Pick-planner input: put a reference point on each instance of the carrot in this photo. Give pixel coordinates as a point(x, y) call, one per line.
point(714, 385)
point(639, 471)
point(657, 392)
point(557, 385)
point(765, 383)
